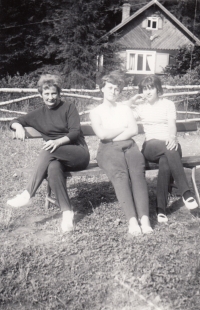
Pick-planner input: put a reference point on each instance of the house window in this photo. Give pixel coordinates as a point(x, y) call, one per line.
point(141, 62)
point(162, 60)
point(152, 23)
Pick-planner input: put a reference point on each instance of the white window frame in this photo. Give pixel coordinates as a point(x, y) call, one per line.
point(144, 53)
point(152, 19)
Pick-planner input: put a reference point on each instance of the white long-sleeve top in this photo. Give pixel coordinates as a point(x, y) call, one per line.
point(155, 118)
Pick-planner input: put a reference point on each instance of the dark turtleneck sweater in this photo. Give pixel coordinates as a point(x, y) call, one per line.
point(55, 123)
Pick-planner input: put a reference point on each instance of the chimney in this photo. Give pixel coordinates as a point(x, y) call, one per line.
point(126, 8)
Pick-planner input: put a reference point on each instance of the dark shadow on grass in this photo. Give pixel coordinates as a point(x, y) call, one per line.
point(91, 196)
point(175, 206)
point(55, 216)
point(178, 204)
point(88, 196)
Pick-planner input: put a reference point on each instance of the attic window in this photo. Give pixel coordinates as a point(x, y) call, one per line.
point(152, 23)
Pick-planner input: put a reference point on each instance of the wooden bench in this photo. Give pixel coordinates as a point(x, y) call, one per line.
point(191, 162)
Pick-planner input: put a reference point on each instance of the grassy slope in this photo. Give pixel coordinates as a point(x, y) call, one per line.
point(97, 266)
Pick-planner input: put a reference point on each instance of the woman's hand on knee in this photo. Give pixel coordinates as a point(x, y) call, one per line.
point(51, 145)
point(172, 143)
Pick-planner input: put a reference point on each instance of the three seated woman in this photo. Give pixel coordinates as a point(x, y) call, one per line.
point(114, 123)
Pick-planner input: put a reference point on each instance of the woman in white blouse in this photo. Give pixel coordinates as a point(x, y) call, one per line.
point(161, 146)
point(119, 155)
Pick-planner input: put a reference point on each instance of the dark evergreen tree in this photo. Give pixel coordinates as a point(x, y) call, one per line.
point(62, 33)
point(76, 39)
point(187, 58)
point(20, 50)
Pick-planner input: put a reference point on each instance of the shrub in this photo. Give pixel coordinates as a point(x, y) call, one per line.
point(188, 57)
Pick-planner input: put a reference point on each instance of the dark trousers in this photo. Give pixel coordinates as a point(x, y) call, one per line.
point(169, 166)
point(53, 165)
point(125, 167)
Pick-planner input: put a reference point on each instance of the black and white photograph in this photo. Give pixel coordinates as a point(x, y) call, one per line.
point(99, 154)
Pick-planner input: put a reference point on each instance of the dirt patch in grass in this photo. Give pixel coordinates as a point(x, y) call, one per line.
point(97, 266)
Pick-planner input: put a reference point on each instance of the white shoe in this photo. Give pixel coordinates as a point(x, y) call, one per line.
point(20, 200)
point(67, 223)
point(162, 218)
point(133, 228)
point(190, 203)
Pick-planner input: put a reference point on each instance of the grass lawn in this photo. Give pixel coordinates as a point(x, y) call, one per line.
point(97, 266)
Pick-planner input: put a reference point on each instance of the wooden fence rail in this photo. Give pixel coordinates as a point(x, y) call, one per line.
point(18, 99)
point(34, 90)
point(93, 98)
point(184, 93)
point(35, 96)
point(181, 93)
point(9, 111)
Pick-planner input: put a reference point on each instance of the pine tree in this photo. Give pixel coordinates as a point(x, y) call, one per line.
point(68, 39)
point(19, 43)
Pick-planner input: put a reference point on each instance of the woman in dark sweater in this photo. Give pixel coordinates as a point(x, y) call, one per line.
point(64, 146)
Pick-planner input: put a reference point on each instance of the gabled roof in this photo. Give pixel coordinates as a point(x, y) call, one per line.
point(144, 8)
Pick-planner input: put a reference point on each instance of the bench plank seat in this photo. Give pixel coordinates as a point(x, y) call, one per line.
point(93, 168)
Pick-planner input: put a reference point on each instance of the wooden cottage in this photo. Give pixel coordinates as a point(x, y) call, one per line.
point(148, 39)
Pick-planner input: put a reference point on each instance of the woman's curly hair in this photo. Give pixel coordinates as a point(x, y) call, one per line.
point(48, 80)
point(115, 77)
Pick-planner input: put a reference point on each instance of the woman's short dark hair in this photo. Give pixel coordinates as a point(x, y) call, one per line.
point(115, 77)
point(48, 80)
point(151, 81)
